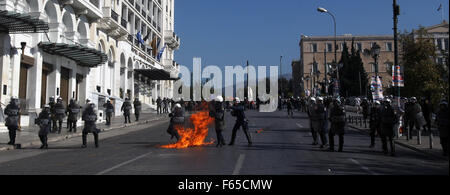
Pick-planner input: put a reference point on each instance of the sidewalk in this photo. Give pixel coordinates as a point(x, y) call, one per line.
point(29, 135)
point(412, 144)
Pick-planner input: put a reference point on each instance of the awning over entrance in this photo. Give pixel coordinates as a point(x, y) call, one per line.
point(12, 22)
point(83, 56)
point(156, 74)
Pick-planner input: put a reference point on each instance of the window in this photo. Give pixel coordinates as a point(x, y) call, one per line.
point(342, 46)
point(446, 44)
point(329, 47)
point(372, 67)
point(389, 66)
point(439, 44)
point(388, 46)
point(359, 46)
point(314, 47)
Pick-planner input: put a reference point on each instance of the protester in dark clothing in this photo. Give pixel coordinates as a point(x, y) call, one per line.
point(443, 123)
point(241, 121)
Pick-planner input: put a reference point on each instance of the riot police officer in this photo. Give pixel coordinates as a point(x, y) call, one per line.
point(319, 115)
point(241, 120)
point(60, 114)
point(374, 122)
point(176, 119)
point(218, 113)
point(12, 110)
point(443, 123)
point(126, 109)
point(44, 121)
point(52, 104)
point(90, 117)
point(73, 111)
point(310, 112)
point(109, 110)
point(337, 118)
point(388, 120)
point(137, 108)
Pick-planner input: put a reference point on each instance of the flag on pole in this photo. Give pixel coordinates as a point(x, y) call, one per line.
point(139, 37)
point(161, 52)
point(440, 7)
point(397, 78)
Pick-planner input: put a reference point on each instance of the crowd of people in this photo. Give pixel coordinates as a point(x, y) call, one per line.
point(327, 115)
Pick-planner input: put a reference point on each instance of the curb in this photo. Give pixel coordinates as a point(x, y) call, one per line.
point(408, 146)
point(66, 137)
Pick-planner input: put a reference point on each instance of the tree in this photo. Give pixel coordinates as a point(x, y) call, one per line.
point(352, 76)
point(421, 73)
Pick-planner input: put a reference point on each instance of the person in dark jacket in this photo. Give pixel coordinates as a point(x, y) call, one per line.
point(158, 105)
point(176, 120)
point(137, 108)
point(319, 124)
point(109, 110)
point(388, 120)
point(218, 113)
point(374, 122)
point(126, 109)
point(89, 118)
point(52, 104)
point(337, 118)
point(12, 111)
point(427, 110)
point(241, 120)
point(73, 111)
point(290, 108)
point(412, 110)
point(60, 114)
point(312, 120)
point(44, 121)
point(443, 123)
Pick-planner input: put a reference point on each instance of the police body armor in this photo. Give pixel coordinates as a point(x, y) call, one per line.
point(13, 116)
point(74, 111)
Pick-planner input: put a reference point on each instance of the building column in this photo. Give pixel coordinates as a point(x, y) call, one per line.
point(5, 50)
point(35, 81)
point(73, 83)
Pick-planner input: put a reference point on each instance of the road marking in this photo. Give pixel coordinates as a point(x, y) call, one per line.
point(363, 167)
point(122, 164)
point(239, 163)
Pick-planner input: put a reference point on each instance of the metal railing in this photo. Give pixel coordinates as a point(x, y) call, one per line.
point(114, 15)
point(123, 22)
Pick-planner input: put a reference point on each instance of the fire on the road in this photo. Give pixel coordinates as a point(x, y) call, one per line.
point(193, 137)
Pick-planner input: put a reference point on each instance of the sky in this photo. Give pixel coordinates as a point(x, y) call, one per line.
point(230, 32)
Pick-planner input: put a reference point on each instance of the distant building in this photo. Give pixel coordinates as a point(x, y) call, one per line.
point(315, 48)
point(439, 34)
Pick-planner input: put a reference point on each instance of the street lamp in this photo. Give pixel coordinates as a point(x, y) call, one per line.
point(375, 52)
point(323, 10)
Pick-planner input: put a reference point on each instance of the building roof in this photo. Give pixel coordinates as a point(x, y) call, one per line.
point(347, 37)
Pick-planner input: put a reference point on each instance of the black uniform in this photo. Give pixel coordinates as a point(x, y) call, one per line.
point(218, 113)
point(12, 121)
point(337, 118)
point(319, 122)
point(442, 120)
point(73, 111)
point(158, 105)
point(241, 120)
point(44, 122)
point(388, 120)
point(137, 108)
point(176, 119)
point(374, 123)
point(60, 114)
point(290, 108)
point(310, 112)
point(109, 110)
point(126, 108)
point(89, 118)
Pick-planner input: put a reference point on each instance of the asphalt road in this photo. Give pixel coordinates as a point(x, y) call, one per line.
point(282, 148)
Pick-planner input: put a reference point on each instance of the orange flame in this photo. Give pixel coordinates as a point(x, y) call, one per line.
point(193, 137)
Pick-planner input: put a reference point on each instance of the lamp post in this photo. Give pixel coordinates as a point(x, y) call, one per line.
point(375, 52)
point(323, 10)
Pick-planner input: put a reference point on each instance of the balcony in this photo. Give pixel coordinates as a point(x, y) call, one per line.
point(172, 40)
point(92, 7)
point(111, 24)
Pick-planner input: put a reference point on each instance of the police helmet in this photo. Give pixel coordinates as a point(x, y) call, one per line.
point(219, 98)
point(313, 99)
point(320, 99)
point(177, 105)
point(237, 100)
point(377, 102)
point(387, 100)
point(444, 102)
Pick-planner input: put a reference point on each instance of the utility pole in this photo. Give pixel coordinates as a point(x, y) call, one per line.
point(396, 63)
point(281, 76)
point(326, 71)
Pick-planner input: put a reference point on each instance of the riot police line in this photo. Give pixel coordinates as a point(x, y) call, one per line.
point(328, 116)
point(51, 118)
